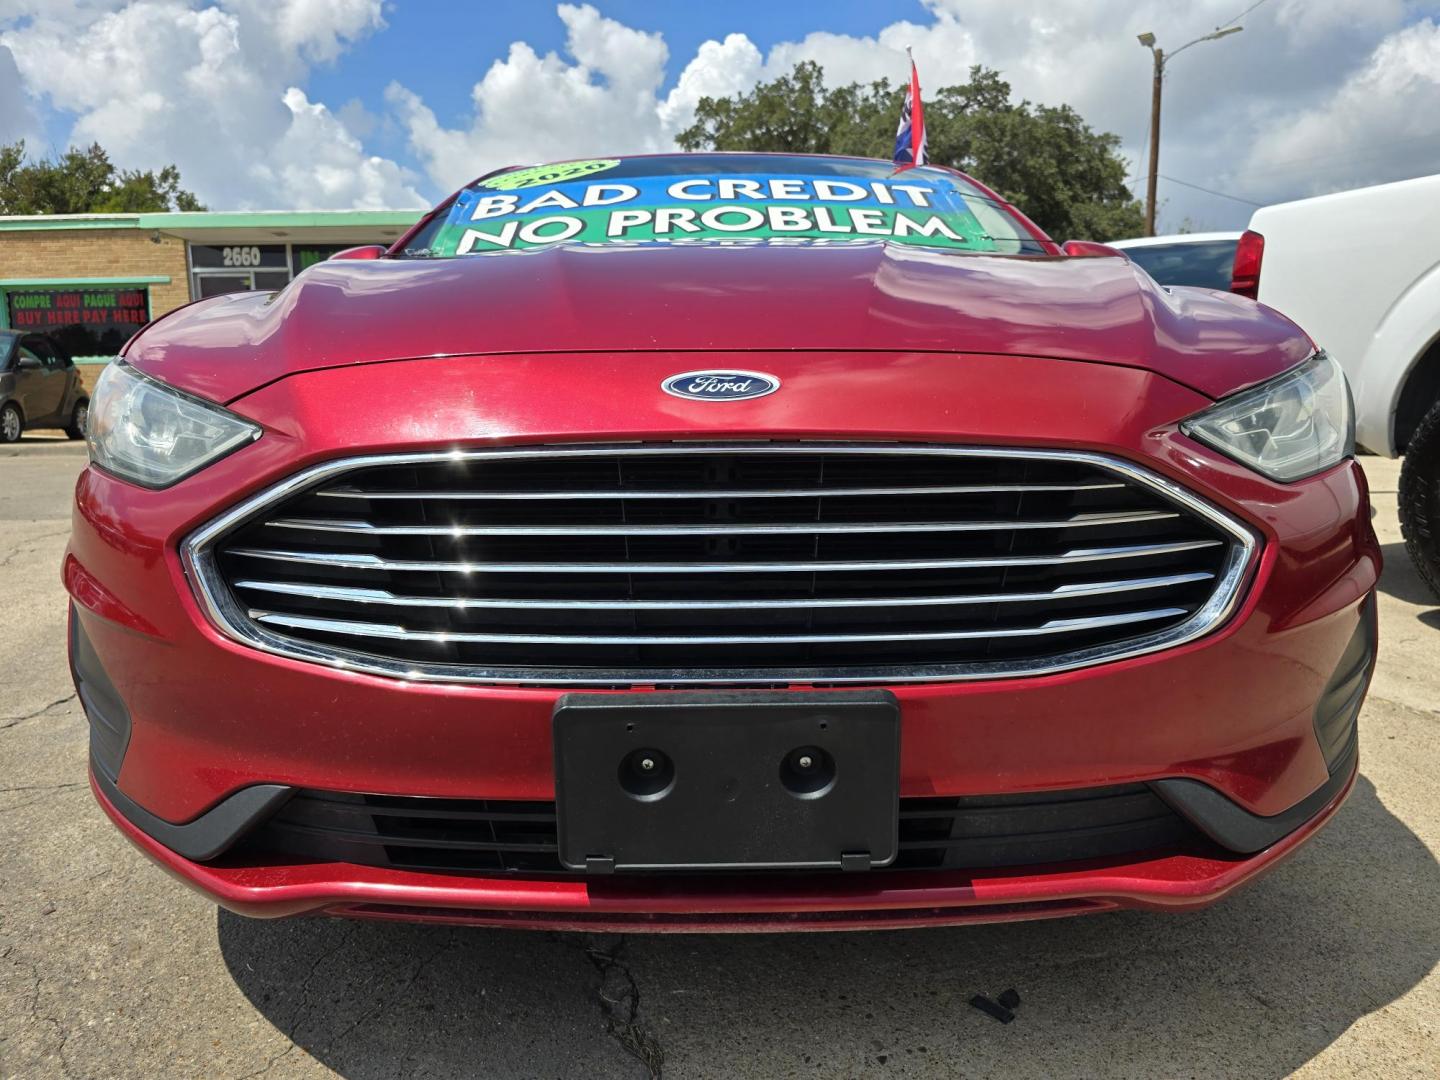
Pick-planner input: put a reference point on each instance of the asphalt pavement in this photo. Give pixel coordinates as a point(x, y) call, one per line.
point(1326, 967)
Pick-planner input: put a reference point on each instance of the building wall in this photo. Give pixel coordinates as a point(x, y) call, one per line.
point(57, 254)
point(99, 253)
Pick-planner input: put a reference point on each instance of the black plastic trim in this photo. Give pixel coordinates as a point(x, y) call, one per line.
point(1339, 706)
point(1227, 824)
point(212, 832)
point(1234, 827)
point(104, 708)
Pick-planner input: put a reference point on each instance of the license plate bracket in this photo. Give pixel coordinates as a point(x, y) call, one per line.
point(727, 781)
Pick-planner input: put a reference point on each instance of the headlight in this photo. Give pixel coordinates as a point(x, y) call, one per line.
point(144, 431)
point(1293, 426)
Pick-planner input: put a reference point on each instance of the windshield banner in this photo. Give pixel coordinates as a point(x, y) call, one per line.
point(496, 216)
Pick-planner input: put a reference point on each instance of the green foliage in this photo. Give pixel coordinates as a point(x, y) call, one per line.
point(1046, 160)
point(85, 182)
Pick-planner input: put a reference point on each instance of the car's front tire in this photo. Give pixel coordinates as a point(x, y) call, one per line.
point(12, 424)
point(78, 417)
point(1420, 498)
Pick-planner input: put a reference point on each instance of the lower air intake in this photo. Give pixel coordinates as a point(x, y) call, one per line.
point(510, 837)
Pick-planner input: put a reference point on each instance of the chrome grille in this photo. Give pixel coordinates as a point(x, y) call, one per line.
point(735, 563)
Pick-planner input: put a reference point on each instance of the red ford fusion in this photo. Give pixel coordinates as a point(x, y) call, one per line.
point(714, 542)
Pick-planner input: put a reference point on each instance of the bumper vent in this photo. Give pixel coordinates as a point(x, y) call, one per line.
point(483, 836)
point(680, 564)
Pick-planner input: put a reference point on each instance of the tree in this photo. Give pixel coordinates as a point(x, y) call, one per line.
point(1045, 159)
point(85, 182)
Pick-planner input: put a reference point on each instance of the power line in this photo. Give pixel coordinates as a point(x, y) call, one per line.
point(1247, 11)
point(1329, 160)
point(1210, 191)
point(1325, 162)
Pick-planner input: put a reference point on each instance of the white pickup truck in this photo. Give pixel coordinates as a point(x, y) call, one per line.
point(1360, 272)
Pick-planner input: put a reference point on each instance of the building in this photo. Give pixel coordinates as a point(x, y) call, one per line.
point(91, 280)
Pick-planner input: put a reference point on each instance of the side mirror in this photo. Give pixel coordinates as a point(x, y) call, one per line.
point(368, 251)
point(1090, 249)
point(27, 363)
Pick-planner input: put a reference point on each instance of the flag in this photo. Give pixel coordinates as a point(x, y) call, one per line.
point(910, 136)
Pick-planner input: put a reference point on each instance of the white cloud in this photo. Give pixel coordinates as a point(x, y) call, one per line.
point(319, 162)
point(212, 90)
point(1382, 123)
point(534, 108)
point(719, 69)
point(1314, 95)
point(1227, 104)
point(316, 30)
point(17, 121)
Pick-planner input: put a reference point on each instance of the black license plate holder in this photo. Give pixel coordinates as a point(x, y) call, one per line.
point(727, 781)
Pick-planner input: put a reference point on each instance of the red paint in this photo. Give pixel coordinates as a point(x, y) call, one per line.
point(89, 593)
point(571, 345)
point(1249, 732)
point(1090, 249)
point(849, 297)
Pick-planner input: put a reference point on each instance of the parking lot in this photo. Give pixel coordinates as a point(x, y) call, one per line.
point(1327, 967)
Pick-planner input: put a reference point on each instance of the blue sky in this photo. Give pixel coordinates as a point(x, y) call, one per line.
point(474, 42)
point(391, 103)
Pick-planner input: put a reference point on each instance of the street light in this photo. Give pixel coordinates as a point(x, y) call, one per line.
point(1147, 39)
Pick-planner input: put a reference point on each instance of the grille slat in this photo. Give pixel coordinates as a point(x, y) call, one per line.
point(947, 833)
point(400, 633)
point(450, 566)
point(441, 842)
point(388, 599)
point(729, 529)
point(710, 563)
point(737, 493)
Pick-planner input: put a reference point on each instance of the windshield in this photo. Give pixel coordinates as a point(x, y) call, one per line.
point(720, 198)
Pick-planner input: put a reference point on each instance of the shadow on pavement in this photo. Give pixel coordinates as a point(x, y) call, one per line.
point(1401, 581)
point(1257, 985)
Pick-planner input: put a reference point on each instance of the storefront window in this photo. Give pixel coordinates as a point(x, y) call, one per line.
point(85, 322)
point(306, 255)
point(237, 257)
point(220, 284)
point(216, 269)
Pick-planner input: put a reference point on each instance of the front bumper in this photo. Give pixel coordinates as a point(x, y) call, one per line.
point(1167, 882)
point(1233, 713)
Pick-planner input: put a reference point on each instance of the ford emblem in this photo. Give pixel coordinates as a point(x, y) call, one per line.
point(720, 385)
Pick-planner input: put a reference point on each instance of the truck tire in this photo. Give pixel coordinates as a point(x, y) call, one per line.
point(1420, 499)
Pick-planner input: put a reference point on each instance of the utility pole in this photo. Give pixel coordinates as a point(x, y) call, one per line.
point(1159, 81)
point(1158, 54)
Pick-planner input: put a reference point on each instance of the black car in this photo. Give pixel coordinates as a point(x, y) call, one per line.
point(39, 387)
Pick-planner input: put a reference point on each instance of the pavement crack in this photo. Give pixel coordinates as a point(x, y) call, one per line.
point(302, 1008)
point(270, 1064)
point(389, 1002)
point(1372, 695)
point(47, 793)
point(36, 1016)
point(11, 721)
point(619, 998)
point(27, 545)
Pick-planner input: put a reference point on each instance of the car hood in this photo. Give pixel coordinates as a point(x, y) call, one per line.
point(715, 298)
